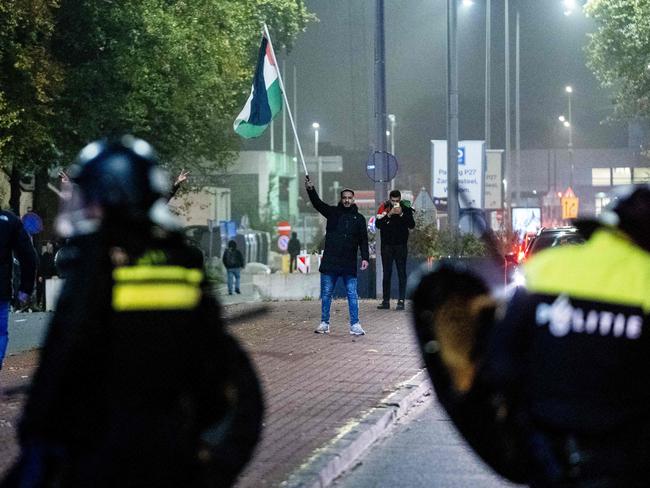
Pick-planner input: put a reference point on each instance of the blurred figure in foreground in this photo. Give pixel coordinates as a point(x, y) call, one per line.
point(14, 241)
point(138, 382)
point(554, 393)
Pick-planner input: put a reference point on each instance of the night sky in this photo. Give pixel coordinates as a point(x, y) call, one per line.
point(334, 61)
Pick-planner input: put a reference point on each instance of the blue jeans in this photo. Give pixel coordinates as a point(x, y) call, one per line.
point(233, 275)
point(4, 326)
point(327, 284)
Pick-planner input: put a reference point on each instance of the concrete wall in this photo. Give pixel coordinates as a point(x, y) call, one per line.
point(280, 286)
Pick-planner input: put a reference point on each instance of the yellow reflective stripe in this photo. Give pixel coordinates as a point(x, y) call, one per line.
point(157, 273)
point(158, 296)
point(608, 268)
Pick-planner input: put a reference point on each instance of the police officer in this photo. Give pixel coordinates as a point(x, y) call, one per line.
point(14, 241)
point(557, 394)
point(138, 383)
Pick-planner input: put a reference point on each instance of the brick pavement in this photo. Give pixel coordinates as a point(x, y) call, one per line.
point(314, 385)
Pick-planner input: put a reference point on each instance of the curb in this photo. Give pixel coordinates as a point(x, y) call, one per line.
point(341, 453)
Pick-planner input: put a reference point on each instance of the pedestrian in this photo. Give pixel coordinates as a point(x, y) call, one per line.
point(345, 233)
point(233, 260)
point(555, 393)
point(14, 242)
point(394, 220)
point(46, 270)
point(138, 383)
point(294, 250)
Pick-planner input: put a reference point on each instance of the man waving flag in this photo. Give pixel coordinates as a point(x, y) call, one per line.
point(265, 100)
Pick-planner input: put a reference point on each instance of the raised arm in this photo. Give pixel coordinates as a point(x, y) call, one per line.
point(323, 208)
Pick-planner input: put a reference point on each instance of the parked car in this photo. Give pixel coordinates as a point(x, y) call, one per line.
point(545, 238)
point(551, 237)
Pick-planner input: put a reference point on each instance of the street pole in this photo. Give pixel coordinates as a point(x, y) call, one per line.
point(391, 119)
point(517, 116)
point(508, 169)
point(569, 91)
point(453, 211)
point(488, 80)
point(381, 187)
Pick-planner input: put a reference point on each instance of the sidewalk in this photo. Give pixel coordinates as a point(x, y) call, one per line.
point(316, 387)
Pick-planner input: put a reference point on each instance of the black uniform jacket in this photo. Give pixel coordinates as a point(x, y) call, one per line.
point(345, 233)
point(15, 241)
point(133, 384)
point(395, 228)
point(575, 343)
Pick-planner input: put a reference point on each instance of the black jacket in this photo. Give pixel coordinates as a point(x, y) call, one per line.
point(15, 241)
point(345, 232)
point(133, 385)
point(233, 259)
point(395, 228)
point(294, 247)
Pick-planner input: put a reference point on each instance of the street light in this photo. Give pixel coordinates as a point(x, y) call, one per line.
point(569, 7)
point(316, 127)
point(569, 125)
point(468, 3)
point(391, 133)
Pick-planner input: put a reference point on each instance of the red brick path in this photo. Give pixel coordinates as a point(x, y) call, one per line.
point(313, 384)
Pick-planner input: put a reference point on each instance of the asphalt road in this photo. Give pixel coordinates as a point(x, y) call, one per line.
point(422, 450)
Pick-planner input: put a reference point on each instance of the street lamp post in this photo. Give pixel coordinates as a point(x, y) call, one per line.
point(453, 210)
point(569, 92)
point(391, 132)
point(488, 81)
point(316, 127)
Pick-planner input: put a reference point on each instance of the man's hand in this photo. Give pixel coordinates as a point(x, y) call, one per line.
point(182, 177)
point(64, 176)
point(308, 183)
point(396, 211)
point(364, 265)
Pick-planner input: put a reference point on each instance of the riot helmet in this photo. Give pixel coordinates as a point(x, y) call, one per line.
point(117, 180)
point(629, 211)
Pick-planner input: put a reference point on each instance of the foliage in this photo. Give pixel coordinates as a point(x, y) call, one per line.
point(427, 241)
point(618, 52)
point(171, 71)
point(30, 81)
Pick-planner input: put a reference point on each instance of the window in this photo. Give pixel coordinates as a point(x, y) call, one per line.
point(621, 176)
point(641, 175)
point(601, 177)
point(601, 202)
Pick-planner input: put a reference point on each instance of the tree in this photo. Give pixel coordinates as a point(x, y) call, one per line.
point(30, 80)
point(618, 52)
point(171, 71)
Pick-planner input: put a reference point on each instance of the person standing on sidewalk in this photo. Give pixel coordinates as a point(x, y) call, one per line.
point(14, 241)
point(46, 270)
point(138, 383)
point(293, 249)
point(345, 233)
point(394, 220)
point(233, 260)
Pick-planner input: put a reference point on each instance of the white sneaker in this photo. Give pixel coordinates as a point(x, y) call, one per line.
point(357, 330)
point(323, 328)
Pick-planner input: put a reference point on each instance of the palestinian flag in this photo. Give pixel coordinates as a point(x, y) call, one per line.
point(265, 100)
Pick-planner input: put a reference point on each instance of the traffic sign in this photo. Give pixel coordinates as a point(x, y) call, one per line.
point(384, 160)
point(283, 243)
point(32, 223)
point(284, 228)
point(569, 207)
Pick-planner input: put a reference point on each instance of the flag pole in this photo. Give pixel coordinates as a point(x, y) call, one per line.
point(286, 102)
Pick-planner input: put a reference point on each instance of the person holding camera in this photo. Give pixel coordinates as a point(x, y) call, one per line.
point(394, 220)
